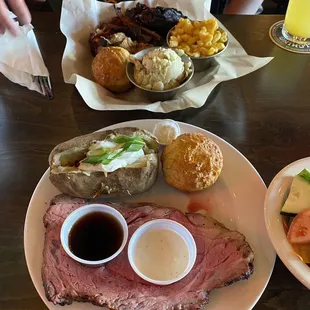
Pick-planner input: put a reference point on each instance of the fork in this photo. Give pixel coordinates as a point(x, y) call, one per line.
point(44, 84)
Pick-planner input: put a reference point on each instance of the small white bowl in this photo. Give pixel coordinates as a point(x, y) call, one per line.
point(82, 211)
point(163, 224)
point(174, 126)
point(275, 197)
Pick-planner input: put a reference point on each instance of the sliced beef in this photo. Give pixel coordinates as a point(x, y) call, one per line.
point(223, 257)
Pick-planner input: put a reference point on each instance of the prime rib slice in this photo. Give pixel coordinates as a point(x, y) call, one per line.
point(223, 257)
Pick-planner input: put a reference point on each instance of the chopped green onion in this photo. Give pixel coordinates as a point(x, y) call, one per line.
point(305, 174)
point(127, 144)
point(125, 139)
point(104, 159)
point(134, 147)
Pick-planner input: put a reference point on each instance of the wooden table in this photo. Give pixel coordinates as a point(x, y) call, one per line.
point(265, 115)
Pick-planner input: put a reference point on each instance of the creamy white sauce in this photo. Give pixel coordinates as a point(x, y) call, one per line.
point(102, 144)
point(161, 254)
point(124, 160)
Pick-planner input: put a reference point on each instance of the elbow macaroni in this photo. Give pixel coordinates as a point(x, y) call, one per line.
point(198, 38)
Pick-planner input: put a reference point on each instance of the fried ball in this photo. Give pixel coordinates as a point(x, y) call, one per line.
point(109, 69)
point(192, 162)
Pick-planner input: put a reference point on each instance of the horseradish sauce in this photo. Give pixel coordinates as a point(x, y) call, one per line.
point(161, 254)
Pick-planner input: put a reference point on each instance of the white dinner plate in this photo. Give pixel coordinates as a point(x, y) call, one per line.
point(275, 198)
point(236, 200)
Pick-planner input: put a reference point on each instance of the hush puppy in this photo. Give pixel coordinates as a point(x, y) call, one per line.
point(192, 162)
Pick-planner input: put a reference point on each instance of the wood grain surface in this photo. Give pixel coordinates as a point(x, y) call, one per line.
point(265, 115)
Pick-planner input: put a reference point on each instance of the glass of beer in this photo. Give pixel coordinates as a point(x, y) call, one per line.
point(297, 22)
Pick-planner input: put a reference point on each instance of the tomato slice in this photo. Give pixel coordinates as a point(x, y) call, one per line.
point(299, 232)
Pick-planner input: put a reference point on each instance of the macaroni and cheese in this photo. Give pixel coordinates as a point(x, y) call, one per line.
point(198, 38)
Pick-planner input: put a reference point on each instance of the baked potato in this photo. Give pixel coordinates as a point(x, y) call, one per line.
point(122, 161)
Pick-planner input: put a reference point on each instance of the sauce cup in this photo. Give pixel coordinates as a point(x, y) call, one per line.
point(166, 225)
point(166, 131)
point(78, 214)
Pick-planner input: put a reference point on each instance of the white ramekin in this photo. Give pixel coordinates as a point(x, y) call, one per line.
point(76, 215)
point(163, 224)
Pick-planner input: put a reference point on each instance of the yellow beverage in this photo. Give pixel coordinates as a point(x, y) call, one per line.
point(297, 18)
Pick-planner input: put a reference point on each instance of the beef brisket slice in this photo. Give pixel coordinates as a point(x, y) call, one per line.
point(223, 257)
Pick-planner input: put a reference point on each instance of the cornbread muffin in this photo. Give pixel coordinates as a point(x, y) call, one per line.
point(192, 162)
point(109, 69)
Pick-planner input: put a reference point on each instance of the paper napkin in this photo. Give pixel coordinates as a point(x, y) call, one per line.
point(22, 63)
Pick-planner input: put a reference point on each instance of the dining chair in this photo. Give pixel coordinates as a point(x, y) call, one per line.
point(217, 6)
point(281, 6)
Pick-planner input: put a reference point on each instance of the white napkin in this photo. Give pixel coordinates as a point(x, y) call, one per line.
point(21, 61)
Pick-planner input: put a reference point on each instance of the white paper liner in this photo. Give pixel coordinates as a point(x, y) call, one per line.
point(79, 18)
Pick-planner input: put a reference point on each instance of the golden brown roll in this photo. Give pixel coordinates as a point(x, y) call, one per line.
point(192, 162)
point(109, 69)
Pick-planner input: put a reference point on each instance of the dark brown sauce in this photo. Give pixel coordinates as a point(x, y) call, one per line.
point(96, 236)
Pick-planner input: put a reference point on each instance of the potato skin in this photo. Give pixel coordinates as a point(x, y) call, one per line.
point(123, 181)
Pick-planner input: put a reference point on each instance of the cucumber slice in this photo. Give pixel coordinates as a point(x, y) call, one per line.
point(299, 196)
